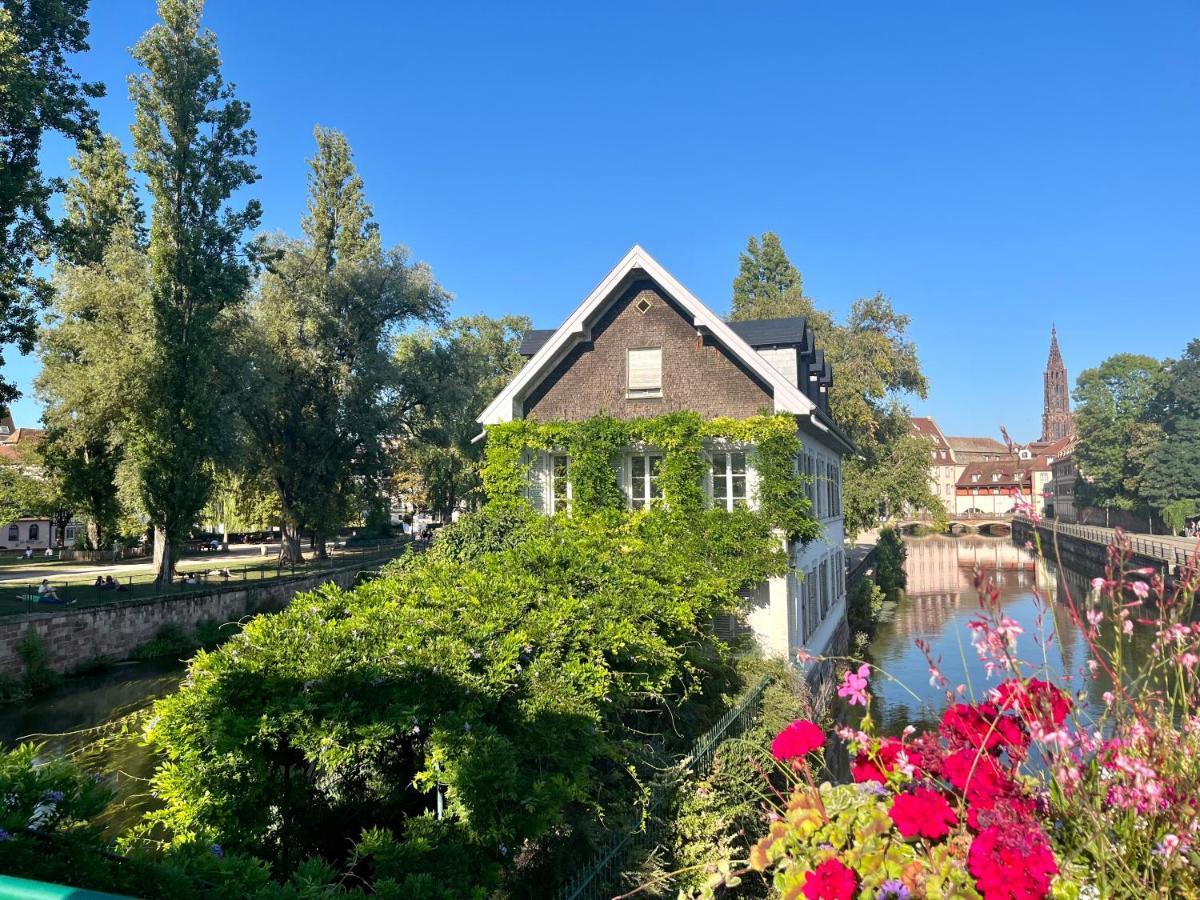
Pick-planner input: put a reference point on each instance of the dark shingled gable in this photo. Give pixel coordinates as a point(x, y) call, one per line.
point(757, 333)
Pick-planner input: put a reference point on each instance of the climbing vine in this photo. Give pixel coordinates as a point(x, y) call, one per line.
point(594, 447)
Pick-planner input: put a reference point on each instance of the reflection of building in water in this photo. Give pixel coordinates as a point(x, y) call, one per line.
point(946, 565)
point(941, 578)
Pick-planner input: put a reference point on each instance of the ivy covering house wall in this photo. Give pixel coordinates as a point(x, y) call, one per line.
point(594, 445)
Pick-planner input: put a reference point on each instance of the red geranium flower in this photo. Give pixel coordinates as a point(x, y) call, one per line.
point(798, 739)
point(923, 813)
point(977, 775)
point(877, 765)
point(1035, 700)
point(1011, 864)
point(830, 881)
point(982, 726)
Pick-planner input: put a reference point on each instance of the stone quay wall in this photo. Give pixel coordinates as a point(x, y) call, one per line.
point(75, 637)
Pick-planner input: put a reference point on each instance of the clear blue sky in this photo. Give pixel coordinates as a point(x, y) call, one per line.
point(990, 167)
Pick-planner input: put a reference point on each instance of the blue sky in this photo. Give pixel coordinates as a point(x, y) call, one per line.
point(992, 168)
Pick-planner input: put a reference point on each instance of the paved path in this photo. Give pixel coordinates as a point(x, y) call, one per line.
point(238, 555)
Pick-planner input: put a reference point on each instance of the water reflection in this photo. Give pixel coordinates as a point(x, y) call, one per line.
point(942, 599)
point(95, 720)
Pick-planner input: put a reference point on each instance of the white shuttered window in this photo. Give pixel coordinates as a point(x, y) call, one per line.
point(645, 372)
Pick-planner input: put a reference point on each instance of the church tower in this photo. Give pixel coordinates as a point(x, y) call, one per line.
point(1056, 409)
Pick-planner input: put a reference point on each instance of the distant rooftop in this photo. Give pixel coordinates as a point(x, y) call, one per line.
point(977, 444)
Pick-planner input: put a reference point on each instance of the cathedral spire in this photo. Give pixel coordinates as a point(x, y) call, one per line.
point(1056, 409)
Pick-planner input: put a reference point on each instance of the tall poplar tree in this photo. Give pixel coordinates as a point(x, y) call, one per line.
point(875, 367)
point(193, 143)
point(92, 345)
point(39, 92)
point(320, 400)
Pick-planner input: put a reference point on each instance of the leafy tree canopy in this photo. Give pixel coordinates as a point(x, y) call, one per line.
point(448, 374)
point(1173, 464)
point(39, 92)
point(1115, 432)
point(875, 366)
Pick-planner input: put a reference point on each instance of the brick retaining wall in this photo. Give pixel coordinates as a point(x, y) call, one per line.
point(74, 637)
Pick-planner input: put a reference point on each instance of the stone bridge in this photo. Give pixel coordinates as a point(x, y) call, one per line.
point(961, 523)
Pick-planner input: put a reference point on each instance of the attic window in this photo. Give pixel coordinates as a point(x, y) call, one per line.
point(995, 476)
point(643, 305)
point(644, 372)
point(3, 429)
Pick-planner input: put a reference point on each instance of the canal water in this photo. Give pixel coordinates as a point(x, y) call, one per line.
point(95, 720)
point(940, 602)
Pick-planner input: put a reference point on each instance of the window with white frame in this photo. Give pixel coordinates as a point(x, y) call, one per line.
point(728, 471)
point(644, 485)
point(644, 372)
point(560, 483)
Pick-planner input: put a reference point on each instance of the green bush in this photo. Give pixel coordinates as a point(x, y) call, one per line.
point(527, 683)
point(864, 605)
point(889, 564)
point(712, 812)
point(39, 677)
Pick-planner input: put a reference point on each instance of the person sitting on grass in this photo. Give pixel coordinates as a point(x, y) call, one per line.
point(47, 593)
point(111, 585)
point(99, 585)
point(190, 578)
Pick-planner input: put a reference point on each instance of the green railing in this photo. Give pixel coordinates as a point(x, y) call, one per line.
point(608, 863)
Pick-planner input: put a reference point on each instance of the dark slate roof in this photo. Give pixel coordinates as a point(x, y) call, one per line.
point(532, 340)
point(756, 333)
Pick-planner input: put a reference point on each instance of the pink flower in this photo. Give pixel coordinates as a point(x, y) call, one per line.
point(923, 813)
point(831, 880)
point(854, 685)
point(1108, 698)
point(1140, 589)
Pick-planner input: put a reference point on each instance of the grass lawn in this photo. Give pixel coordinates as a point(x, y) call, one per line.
point(15, 597)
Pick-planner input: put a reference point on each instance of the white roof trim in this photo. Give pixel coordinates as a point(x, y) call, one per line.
point(788, 398)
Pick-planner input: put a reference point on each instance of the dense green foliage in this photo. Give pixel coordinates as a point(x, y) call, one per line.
point(889, 562)
point(1173, 467)
point(316, 344)
point(594, 446)
point(39, 93)
point(875, 367)
point(711, 812)
point(1115, 428)
point(448, 375)
point(528, 679)
point(193, 143)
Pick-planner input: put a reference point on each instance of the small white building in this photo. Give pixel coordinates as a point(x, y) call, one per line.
point(642, 345)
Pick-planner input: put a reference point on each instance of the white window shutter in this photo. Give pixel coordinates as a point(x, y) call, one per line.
point(645, 369)
point(539, 475)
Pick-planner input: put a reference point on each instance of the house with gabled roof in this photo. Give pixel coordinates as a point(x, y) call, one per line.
point(640, 344)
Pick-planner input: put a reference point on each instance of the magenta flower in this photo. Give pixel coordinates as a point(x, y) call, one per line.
point(854, 685)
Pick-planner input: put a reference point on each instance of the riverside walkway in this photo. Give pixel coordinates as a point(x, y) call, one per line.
point(1174, 551)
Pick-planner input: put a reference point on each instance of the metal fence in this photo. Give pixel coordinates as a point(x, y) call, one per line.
point(1172, 552)
point(608, 863)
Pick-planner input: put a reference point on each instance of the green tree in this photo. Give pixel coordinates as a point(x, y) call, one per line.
point(1116, 428)
point(322, 397)
point(193, 143)
point(39, 93)
point(1173, 465)
point(448, 375)
point(875, 368)
point(95, 336)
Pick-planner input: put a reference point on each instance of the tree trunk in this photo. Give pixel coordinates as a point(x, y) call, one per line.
point(164, 557)
point(289, 549)
point(322, 551)
point(93, 534)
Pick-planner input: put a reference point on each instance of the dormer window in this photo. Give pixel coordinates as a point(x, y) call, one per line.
point(995, 476)
point(644, 372)
point(974, 476)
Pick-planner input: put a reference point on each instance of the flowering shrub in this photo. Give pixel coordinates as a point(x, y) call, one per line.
point(1031, 791)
